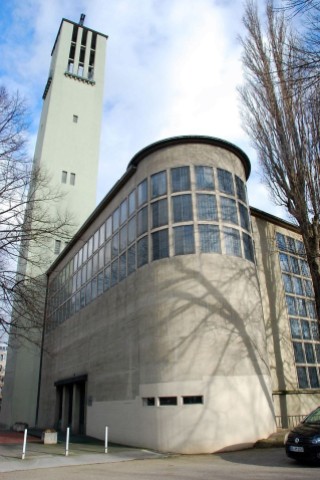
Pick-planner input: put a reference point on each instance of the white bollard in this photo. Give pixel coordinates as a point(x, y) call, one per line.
point(67, 441)
point(24, 444)
point(106, 441)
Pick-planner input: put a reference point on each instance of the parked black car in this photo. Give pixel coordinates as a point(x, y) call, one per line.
point(303, 442)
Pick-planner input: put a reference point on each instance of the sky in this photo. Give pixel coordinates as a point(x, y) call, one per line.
point(172, 68)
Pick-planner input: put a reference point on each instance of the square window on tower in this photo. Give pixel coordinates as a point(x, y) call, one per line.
point(72, 178)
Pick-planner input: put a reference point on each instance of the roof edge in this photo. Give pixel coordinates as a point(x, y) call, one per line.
point(168, 142)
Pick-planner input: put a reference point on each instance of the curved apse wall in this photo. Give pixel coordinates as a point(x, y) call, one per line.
point(165, 288)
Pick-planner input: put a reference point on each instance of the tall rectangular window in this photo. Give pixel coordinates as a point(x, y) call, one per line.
point(122, 266)
point(123, 211)
point(142, 219)
point(142, 251)
point(229, 212)
point(183, 240)
point(64, 176)
point(232, 241)
point(225, 181)
point(180, 179)
point(209, 239)
point(57, 246)
point(115, 220)
point(72, 179)
point(159, 213)
point(131, 259)
point(132, 202)
point(115, 245)
point(204, 178)
point(123, 238)
point(248, 247)
point(244, 217)
point(160, 244)
point(114, 272)
point(241, 189)
point(131, 230)
point(142, 192)
point(182, 208)
point(207, 207)
point(158, 184)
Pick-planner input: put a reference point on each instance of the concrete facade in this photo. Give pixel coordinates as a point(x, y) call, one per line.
point(67, 153)
point(171, 354)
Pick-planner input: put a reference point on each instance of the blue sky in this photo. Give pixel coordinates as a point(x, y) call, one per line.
point(172, 68)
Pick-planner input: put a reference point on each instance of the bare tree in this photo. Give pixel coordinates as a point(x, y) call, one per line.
point(29, 220)
point(282, 117)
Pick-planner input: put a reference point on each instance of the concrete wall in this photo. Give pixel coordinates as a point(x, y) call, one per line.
point(189, 325)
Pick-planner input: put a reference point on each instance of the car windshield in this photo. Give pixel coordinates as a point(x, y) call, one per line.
point(314, 417)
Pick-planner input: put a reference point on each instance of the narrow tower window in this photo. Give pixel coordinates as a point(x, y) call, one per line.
point(57, 246)
point(75, 118)
point(72, 178)
point(64, 176)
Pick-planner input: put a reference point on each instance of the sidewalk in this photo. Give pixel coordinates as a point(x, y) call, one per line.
point(82, 451)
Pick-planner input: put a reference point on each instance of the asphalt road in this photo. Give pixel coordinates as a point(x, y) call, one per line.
point(256, 464)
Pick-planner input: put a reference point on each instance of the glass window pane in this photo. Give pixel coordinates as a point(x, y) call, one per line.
point(101, 258)
point(311, 309)
point(95, 263)
point(131, 259)
point(287, 283)
point(225, 181)
point(241, 189)
point(159, 213)
point(207, 207)
point(302, 377)
point(315, 330)
point(281, 241)
point(317, 349)
point(123, 211)
point(131, 230)
point(115, 245)
point(107, 253)
point(88, 293)
point(84, 252)
point(96, 241)
point(180, 179)
point(114, 272)
point(84, 274)
point(297, 285)
point(291, 304)
point(115, 220)
point(284, 262)
point(142, 251)
point(291, 245)
point(244, 217)
point(229, 212)
point(182, 208)
point(142, 192)
point(300, 248)
point(108, 227)
point(123, 238)
point(183, 240)
point(100, 283)
point(313, 377)
point(248, 247)
point(90, 246)
point(204, 178)
point(107, 278)
point(83, 297)
point(132, 202)
point(305, 271)
point(295, 328)
point(142, 219)
point(232, 241)
point(158, 184)
point(102, 234)
point(298, 352)
point(301, 304)
point(295, 265)
point(122, 267)
point(306, 333)
point(310, 357)
point(160, 245)
point(308, 288)
point(209, 239)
